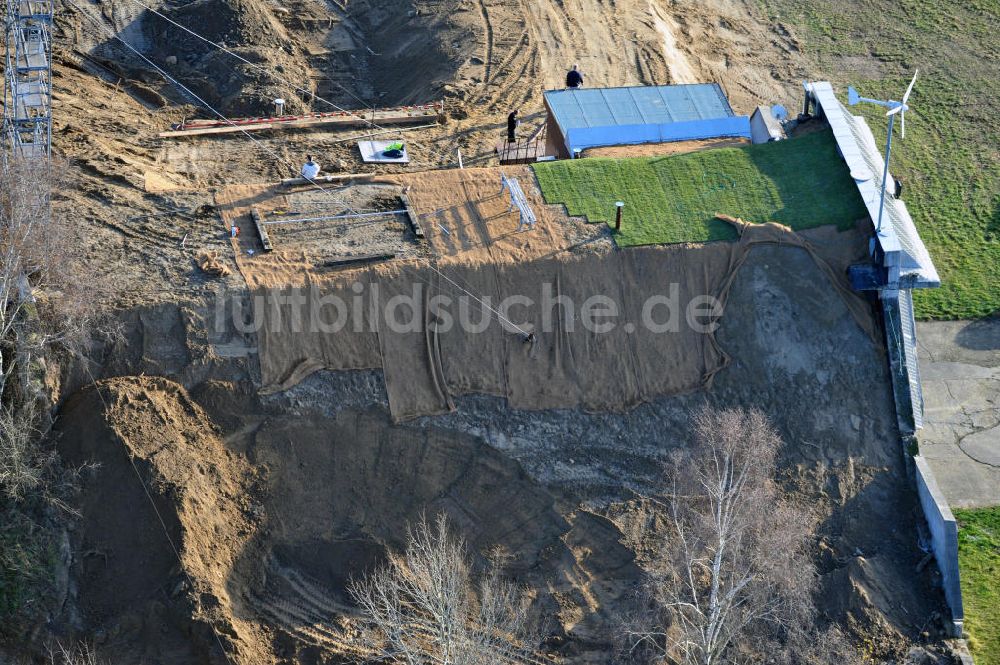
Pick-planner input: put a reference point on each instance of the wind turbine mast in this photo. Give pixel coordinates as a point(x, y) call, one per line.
point(895, 108)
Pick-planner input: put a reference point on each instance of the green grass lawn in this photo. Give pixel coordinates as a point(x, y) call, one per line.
point(979, 563)
point(950, 159)
point(800, 182)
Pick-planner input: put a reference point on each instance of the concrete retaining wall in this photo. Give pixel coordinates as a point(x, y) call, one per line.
point(944, 537)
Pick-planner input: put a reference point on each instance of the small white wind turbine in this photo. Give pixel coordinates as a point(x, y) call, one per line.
point(894, 108)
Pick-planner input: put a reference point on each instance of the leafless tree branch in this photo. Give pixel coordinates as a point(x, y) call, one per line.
point(733, 573)
point(425, 607)
point(47, 299)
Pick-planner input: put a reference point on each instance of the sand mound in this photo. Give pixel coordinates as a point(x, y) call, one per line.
point(249, 28)
point(372, 47)
point(394, 39)
point(269, 561)
point(128, 566)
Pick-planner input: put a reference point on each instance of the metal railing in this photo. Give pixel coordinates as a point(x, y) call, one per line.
point(27, 112)
point(525, 150)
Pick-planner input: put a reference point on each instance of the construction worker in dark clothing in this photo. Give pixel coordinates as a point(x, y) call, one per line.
point(574, 79)
point(511, 125)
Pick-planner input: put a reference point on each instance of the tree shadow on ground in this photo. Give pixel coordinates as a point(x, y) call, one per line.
point(981, 335)
point(993, 223)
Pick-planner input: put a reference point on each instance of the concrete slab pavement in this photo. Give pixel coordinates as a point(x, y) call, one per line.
point(960, 374)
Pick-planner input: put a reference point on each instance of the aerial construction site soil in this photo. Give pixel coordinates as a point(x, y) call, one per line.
point(275, 501)
point(246, 474)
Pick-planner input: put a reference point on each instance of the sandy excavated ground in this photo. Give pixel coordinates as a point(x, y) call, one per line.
point(274, 501)
point(483, 58)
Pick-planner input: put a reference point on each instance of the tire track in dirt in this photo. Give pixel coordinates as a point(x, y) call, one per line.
point(303, 608)
point(298, 621)
point(503, 55)
point(513, 81)
point(314, 593)
point(517, 49)
point(602, 38)
point(519, 42)
point(532, 70)
point(488, 57)
point(146, 233)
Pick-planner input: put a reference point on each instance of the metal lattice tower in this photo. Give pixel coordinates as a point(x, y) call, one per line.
point(27, 110)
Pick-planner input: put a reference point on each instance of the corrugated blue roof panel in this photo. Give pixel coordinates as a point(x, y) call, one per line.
point(591, 117)
point(640, 105)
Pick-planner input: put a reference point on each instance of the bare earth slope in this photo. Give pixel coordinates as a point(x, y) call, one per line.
point(484, 58)
point(273, 503)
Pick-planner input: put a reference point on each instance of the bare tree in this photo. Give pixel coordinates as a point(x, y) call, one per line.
point(734, 577)
point(23, 463)
point(48, 303)
point(425, 607)
point(80, 654)
point(46, 297)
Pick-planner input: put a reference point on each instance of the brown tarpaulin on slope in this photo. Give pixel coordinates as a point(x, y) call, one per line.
point(566, 365)
point(301, 332)
point(411, 356)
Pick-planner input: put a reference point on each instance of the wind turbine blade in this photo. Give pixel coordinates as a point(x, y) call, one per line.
point(906, 95)
point(894, 110)
point(902, 127)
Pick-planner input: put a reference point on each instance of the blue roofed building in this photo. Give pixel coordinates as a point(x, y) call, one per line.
point(593, 117)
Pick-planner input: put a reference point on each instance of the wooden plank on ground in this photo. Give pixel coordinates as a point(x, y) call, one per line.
point(228, 129)
point(291, 182)
point(411, 215)
point(258, 221)
point(342, 178)
point(346, 120)
point(354, 260)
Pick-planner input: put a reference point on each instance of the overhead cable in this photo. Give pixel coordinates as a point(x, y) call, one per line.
point(272, 73)
point(205, 104)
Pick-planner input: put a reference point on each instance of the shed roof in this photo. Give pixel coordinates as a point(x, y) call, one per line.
point(637, 105)
point(767, 116)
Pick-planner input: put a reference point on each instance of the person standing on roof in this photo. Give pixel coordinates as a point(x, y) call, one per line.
point(310, 169)
point(574, 79)
point(512, 123)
